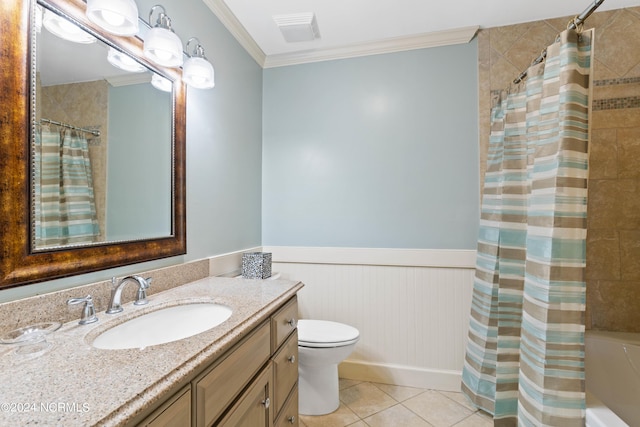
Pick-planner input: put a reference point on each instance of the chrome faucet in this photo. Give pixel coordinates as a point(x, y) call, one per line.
point(88, 311)
point(115, 305)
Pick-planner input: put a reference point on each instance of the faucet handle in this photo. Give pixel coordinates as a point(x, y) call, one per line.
point(89, 310)
point(141, 299)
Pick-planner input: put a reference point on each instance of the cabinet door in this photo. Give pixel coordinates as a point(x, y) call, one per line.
point(176, 412)
point(253, 407)
point(285, 371)
point(289, 415)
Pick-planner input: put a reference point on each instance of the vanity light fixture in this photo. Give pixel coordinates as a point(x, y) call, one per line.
point(123, 61)
point(118, 17)
point(161, 44)
point(64, 29)
point(161, 83)
point(197, 71)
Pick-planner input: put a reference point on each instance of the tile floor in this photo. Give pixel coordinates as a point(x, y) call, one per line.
point(369, 404)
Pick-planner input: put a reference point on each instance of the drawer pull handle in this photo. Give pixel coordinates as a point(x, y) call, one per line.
point(292, 358)
point(266, 403)
point(291, 419)
point(292, 322)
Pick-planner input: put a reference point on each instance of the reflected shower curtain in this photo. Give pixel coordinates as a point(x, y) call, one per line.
point(64, 205)
point(525, 354)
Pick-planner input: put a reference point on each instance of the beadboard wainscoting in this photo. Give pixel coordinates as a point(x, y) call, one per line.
point(410, 305)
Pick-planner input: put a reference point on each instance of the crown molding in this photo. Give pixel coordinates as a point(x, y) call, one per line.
point(231, 23)
point(397, 44)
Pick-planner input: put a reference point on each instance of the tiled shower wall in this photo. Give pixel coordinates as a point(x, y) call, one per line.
point(84, 105)
point(613, 235)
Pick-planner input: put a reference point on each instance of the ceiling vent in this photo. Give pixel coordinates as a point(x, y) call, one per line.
point(298, 27)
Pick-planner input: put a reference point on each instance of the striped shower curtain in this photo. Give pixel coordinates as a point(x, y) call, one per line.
point(63, 203)
point(525, 354)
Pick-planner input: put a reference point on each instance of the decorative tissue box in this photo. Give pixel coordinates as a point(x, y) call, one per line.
point(256, 265)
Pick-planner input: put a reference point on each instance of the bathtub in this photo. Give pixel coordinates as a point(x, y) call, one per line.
point(612, 370)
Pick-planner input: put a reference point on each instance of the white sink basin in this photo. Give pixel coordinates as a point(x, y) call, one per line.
point(162, 326)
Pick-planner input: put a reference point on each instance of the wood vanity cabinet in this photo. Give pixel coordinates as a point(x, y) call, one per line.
point(254, 384)
point(176, 411)
point(285, 364)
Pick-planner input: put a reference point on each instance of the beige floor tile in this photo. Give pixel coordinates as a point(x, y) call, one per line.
point(397, 415)
point(345, 383)
point(476, 420)
point(437, 409)
point(358, 424)
point(366, 399)
point(343, 416)
point(460, 398)
point(399, 393)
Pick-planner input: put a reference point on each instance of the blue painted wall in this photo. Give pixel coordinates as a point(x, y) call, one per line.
point(379, 151)
point(138, 201)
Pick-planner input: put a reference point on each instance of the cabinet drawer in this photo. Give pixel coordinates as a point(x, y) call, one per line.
point(284, 322)
point(285, 373)
point(289, 415)
point(175, 412)
point(219, 386)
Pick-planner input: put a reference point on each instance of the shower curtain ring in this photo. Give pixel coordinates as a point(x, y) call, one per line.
point(573, 23)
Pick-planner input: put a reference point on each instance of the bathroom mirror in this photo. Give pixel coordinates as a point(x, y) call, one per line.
point(102, 129)
point(160, 150)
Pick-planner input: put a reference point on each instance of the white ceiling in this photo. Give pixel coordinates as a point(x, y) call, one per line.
point(358, 26)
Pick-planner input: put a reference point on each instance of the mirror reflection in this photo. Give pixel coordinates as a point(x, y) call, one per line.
point(102, 141)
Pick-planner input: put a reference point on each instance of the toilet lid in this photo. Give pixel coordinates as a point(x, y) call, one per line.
point(320, 332)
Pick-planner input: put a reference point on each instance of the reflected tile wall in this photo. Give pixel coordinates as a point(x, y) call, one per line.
point(84, 105)
point(613, 235)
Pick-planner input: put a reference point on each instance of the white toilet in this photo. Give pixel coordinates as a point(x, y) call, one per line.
point(322, 345)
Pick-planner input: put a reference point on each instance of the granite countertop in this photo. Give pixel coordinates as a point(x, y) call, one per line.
point(75, 384)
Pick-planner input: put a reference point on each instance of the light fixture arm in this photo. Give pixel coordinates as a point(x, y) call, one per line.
point(163, 21)
point(198, 50)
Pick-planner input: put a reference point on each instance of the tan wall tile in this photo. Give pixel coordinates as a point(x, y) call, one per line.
point(603, 204)
point(614, 305)
point(603, 255)
point(603, 154)
point(629, 204)
point(629, 152)
point(618, 43)
point(616, 91)
point(527, 48)
point(630, 255)
point(611, 119)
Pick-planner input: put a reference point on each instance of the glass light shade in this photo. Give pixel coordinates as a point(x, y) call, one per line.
point(163, 47)
point(65, 30)
point(123, 61)
point(118, 17)
point(198, 72)
point(161, 83)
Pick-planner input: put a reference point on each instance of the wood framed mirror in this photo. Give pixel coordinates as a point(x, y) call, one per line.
point(22, 260)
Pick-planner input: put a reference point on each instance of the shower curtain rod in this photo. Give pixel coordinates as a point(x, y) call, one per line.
point(575, 22)
point(93, 132)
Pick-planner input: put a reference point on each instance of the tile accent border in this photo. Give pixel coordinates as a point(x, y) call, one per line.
point(618, 81)
point(616, 103)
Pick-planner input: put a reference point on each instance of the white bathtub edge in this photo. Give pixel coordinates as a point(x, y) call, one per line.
point(599, 415)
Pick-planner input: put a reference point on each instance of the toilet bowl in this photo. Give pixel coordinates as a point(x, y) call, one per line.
point(322, 345)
